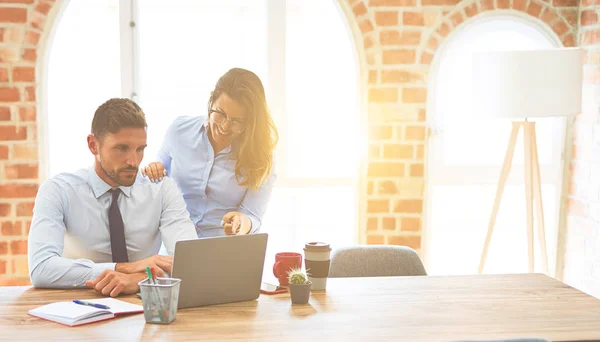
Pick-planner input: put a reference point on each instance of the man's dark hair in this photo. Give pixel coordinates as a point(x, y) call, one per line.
point(115, 114)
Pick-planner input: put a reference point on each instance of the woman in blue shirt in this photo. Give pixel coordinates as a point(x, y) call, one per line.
point(223, 163)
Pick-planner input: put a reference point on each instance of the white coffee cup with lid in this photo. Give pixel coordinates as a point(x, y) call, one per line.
point(317, 257)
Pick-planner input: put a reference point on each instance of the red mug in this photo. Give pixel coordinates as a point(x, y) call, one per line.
point(283, 263)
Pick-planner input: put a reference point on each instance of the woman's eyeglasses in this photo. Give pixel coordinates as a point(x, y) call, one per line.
point(219, 118)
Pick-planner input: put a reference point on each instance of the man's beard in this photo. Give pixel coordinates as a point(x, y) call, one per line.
point(114, 175)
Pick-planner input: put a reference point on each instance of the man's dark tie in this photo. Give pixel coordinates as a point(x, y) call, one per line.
point(117, 230)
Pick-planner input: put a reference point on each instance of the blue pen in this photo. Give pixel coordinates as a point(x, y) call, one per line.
point(99, 306)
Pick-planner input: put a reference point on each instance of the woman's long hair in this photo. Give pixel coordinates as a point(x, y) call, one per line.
point(254, 148)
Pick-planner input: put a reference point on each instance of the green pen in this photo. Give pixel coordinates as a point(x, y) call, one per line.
point(151, 281)
point(149, 274)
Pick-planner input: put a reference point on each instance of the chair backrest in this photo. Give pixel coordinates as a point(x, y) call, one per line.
point(375, 261)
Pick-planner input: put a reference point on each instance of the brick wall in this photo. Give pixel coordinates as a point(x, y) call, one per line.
point(21, 25)
point(582, 253)
point(400, 39)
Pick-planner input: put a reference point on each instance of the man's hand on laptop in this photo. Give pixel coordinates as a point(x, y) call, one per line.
point(161, 264)
point(113, 283)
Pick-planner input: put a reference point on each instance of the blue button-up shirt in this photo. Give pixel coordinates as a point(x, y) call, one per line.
point(207, 181)
point(69, 240)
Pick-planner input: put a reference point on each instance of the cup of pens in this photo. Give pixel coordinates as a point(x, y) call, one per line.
point(159, 298)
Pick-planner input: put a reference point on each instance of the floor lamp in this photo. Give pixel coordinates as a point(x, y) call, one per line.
point(521, 85)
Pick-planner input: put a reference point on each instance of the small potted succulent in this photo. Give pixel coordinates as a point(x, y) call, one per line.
point(299, 286)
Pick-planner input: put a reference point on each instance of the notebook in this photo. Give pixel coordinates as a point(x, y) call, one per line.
point(71, 314)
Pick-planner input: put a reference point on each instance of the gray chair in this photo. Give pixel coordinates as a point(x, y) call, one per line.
point(375, 261)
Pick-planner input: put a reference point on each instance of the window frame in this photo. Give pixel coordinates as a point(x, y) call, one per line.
point(276, 12)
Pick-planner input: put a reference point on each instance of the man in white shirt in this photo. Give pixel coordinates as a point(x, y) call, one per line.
point(100, 227)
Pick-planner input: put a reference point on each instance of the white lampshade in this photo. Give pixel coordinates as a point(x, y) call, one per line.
point(521, 84)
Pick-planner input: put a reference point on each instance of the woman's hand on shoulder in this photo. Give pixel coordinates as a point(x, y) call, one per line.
point(155, 172)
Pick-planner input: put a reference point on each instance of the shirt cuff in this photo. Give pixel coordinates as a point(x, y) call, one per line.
point(99, 268)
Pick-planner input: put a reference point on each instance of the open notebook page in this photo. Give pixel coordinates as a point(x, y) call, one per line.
point(116, 306)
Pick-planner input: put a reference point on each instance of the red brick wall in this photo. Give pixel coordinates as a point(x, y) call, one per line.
point(399, 38)
point(21, 25)
point(582, 253)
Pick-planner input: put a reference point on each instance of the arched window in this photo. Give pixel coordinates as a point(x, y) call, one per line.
point(170, 59)
point(466, 154)
point(82, 71)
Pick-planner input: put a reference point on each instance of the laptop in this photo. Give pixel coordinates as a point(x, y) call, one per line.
point(217, 270)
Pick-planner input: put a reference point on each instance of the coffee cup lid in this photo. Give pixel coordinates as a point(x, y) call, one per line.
point(317, 246)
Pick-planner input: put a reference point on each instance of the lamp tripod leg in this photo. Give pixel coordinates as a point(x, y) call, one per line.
point(512, 142)
point(529, 192)
point(537, 198)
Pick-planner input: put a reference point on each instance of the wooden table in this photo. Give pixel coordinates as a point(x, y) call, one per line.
point(360, 309)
